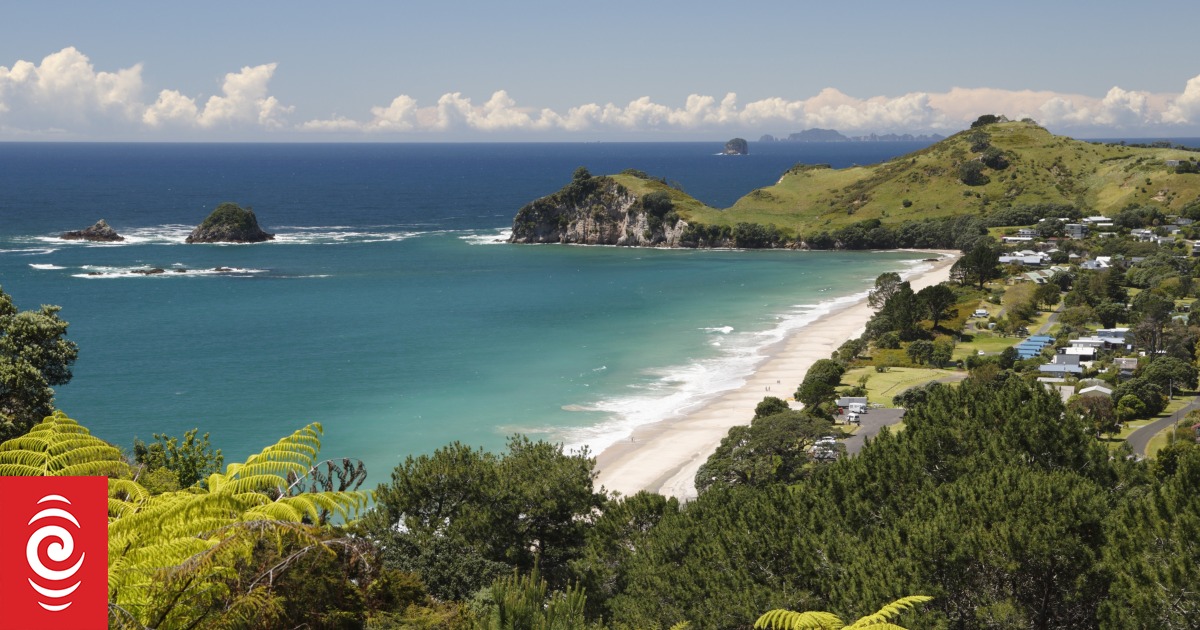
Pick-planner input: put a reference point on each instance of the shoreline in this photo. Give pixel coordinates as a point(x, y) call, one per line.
point(664, 456)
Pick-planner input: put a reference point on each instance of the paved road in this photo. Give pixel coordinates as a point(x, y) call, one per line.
point(872, 422)
point(1140, 439)
point(1049, 321)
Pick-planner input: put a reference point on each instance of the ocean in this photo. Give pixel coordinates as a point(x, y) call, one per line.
point(388, 308)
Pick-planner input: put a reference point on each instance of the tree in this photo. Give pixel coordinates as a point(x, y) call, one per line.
point(920, 351)
point(981, 263)
point(770, 450)
point(1098, 412)
point(1171, 374)
point(770, 406)
point(460, 517)
point(985, 120)
point(190, 461)
point(819, 384)
point(1047, 294)
point(886, 286)
point(936, 301)
point(971, 173)
point(1111, 313)
point(34, 357)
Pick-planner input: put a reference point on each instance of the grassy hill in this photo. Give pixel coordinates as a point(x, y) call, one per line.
point(1030, 166)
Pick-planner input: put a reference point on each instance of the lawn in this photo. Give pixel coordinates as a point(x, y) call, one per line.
point(882, 386)
point(1159, 441)
point(989, 343)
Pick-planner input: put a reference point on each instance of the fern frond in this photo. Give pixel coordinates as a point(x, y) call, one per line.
point(881, 619)
point(789, 620)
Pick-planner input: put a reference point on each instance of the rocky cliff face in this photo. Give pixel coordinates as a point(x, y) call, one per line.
point(229, 223)
point(100, 232)
point(599, 211)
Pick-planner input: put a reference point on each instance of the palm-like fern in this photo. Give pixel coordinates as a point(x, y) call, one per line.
point(817, 620)
point(173, 557)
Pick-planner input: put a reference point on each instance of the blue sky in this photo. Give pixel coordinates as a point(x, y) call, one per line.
point(613, 70)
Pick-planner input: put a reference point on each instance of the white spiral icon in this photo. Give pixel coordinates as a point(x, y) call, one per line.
point(59, 551)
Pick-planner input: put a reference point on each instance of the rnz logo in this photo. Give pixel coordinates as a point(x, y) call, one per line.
point(54, 552)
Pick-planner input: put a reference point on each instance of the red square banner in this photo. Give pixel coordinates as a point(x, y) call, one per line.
point(54, 553)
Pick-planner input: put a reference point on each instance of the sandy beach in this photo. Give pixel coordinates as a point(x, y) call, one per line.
point(664, 456)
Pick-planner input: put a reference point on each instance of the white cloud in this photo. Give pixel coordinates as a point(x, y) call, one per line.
point(1186, 108)
point(243, 101)
point(65, 87)
point(65, 93)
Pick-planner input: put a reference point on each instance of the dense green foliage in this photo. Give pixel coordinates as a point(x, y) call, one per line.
point(34, 356)
point(461, 517)
point(231, 215)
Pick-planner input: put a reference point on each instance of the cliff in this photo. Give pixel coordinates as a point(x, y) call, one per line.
point(601, 211)
point(99, 232)
point(229, 223)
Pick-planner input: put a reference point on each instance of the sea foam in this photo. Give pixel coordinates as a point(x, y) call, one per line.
point(675, 391)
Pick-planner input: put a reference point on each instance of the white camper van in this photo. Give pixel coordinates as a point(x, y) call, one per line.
point(857, 408)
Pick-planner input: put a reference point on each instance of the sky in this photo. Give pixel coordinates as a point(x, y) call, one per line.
point(612, 70)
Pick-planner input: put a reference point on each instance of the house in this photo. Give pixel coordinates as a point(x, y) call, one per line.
point(1096, 390)
point(1172, 163)
point(1062, 364)
point(1025, 257)
point(1142, 234)
point(1118, 334)
point(1076, 230)
point(1027, 232)
point(1126, 366)
point(1016, 239)
point(1085, 353)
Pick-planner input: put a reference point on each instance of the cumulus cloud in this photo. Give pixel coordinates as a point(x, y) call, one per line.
point(243, 100)
point(66, 88)
point(66, 92)
point(1186, 108)
point(1118, 110)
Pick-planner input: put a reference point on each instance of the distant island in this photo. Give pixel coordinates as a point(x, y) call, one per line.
point(832, 135)
point(737, 146)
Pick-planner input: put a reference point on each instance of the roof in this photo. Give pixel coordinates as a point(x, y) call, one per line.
point(1055, 368)
point(1095, 390)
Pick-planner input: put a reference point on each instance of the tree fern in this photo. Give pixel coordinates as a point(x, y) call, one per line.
point(817, 620)
point(174, 557)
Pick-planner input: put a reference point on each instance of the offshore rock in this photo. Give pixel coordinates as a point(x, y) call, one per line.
point(229, 223)
point(737, 146)
point(99, 232)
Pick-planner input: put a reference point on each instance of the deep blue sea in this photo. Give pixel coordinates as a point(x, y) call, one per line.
point(388, 309)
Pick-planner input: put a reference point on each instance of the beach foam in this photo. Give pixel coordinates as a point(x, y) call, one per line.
point(98, 272)
point(488, 237)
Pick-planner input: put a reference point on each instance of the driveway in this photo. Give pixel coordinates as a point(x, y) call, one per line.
point(872, 422)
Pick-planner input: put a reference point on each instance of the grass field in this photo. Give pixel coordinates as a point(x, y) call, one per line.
point(1042, 168)
point(882, 386)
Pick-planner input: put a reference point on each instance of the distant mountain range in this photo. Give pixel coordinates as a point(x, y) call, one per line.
point(832, 135)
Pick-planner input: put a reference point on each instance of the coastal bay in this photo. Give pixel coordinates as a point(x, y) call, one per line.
point(664, 457)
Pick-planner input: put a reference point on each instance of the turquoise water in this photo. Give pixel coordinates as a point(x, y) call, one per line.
point(397, 335)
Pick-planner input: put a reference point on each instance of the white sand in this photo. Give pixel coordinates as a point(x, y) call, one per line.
point(664, 456)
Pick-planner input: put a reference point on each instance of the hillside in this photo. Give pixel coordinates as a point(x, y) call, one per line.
point(1041, 169)
point(1008, 164)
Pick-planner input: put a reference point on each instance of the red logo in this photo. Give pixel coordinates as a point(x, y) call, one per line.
point(54, 552)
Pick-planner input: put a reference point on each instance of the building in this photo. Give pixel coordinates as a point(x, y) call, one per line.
point(1076, 230)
